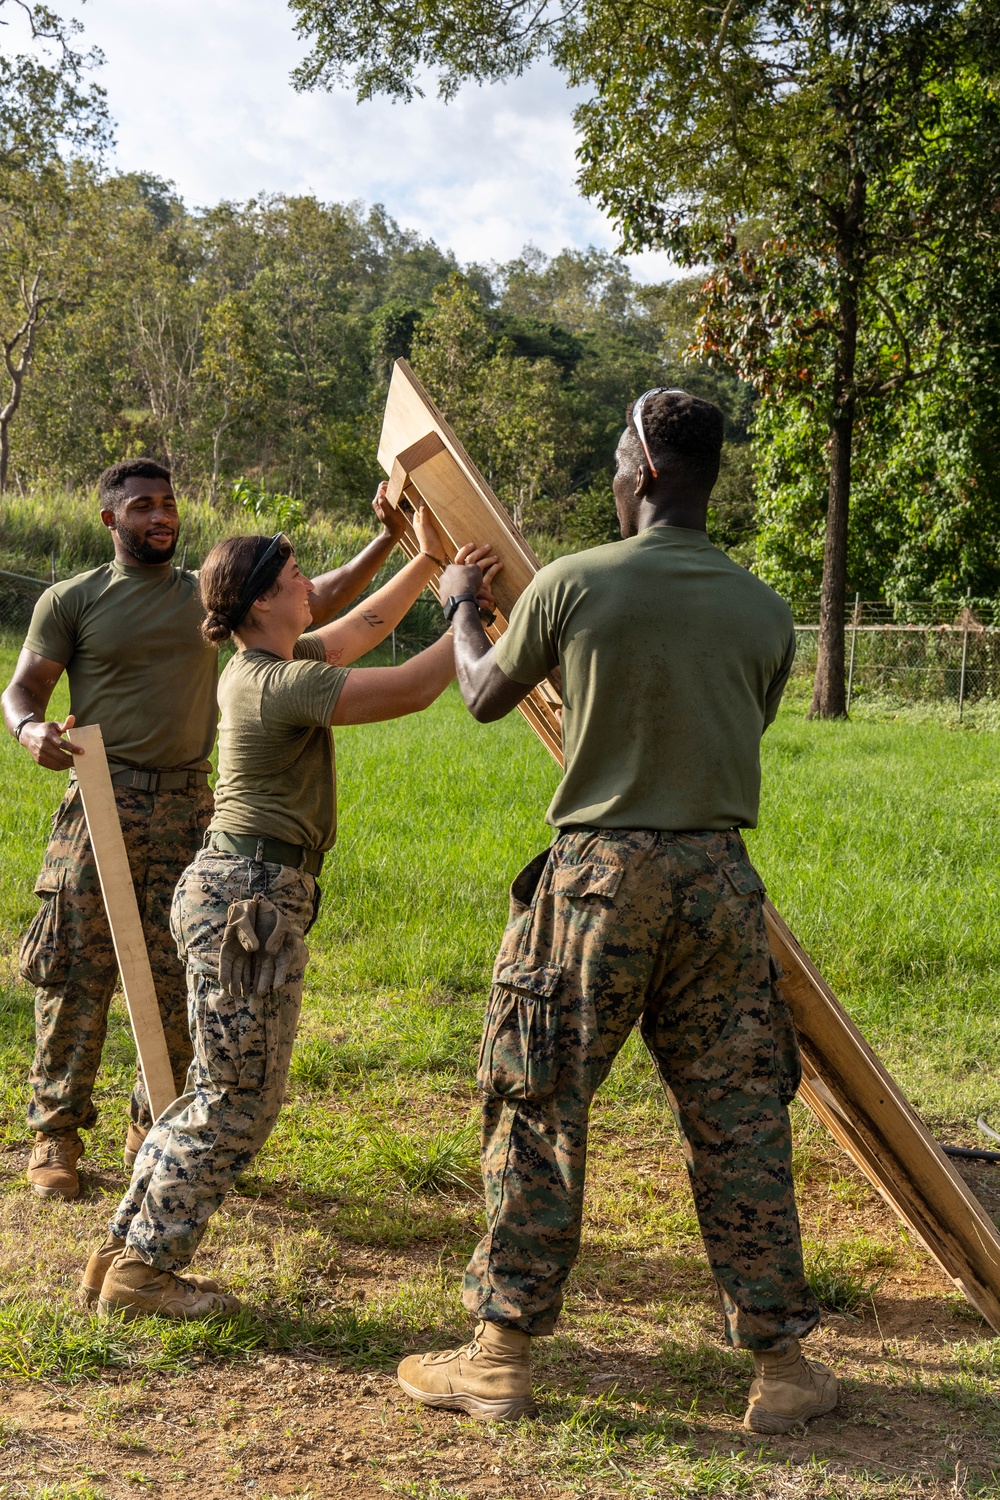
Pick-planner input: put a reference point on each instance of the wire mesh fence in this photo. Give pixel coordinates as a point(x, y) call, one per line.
point(914, 650)
point(18, 595)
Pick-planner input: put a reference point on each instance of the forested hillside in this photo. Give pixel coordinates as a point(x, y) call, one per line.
point(249, 344)
point(254, 343)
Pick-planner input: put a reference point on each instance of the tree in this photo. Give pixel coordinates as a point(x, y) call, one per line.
point(815, 125)
point(46, 102)
point(45, 106)
point(231, 374)
point(44, 268)
point(509, 409)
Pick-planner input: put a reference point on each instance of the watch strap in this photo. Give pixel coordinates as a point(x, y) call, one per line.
point(454, 600)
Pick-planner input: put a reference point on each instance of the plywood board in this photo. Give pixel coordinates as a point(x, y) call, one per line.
point(122, 909)
point(426, 462)
point(843, 1081)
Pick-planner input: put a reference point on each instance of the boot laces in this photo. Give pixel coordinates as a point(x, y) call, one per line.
point(56, 1148)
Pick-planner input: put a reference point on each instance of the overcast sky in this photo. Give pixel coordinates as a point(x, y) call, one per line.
point(200, 94)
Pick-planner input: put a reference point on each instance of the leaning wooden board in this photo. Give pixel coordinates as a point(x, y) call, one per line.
point(118, 890)
point(843, 1080)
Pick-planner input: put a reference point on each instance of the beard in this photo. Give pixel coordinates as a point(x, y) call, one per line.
point(144, 552)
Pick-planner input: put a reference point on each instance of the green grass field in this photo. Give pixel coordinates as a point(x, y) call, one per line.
point(878, 843)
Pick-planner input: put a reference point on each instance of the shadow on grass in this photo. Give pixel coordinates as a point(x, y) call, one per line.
point(643, 1431)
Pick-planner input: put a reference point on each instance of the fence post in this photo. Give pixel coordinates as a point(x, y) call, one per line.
point(52, 565)
point(965, 657)
point(854, 637)
point(394, 648)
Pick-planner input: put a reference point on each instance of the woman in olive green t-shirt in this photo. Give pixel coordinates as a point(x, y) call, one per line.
point(253, 887)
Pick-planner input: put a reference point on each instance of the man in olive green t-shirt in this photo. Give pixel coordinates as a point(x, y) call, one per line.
point(127, 635)
point(646, 909)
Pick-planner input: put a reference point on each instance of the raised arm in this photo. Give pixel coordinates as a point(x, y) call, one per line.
point(335, 590)
point(374, 693)
point(488, 692)
point(371, 621)
point(24, 703)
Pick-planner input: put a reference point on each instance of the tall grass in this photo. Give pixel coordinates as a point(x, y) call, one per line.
point(63, 528)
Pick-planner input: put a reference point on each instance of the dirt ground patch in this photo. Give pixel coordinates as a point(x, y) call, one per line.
point(638, 1394)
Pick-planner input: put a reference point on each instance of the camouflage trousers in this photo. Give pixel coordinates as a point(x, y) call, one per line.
point(236, 1082)
point(68, 955)
point(609, 928)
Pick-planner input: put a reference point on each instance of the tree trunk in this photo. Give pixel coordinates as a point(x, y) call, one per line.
point(4, 454)
point(829, 699)
point(216, 454)
point(17, 369)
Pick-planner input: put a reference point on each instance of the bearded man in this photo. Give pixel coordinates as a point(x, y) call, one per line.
point(127, 635)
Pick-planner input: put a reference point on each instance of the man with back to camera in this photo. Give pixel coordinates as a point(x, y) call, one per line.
point(128, 636)
point(646, 909)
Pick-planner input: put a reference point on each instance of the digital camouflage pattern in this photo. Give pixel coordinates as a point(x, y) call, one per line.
point(236, 1083)
point(68, 955)
point(608, 929)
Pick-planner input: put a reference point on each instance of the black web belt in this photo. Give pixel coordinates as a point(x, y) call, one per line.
point(159, 781)
point(266, 851)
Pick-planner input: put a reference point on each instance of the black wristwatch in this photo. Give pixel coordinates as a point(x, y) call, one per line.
point(454, 600)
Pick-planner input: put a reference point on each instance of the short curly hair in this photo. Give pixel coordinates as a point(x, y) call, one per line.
point(683, 432)
point(111, 485)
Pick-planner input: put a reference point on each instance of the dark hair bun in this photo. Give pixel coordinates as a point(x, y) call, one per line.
point(216, 628)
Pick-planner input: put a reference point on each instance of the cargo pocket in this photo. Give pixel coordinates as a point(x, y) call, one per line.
point(230, 1037)
point(517, 1058)
point(523, 889)
point(743, 878)
point(787, 1057)
point(44, 955)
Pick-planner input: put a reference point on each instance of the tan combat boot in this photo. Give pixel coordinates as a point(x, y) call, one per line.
point(788, 1389)
point(489, 1378)
point(52, 1164)
point(100, 1263)
point(133, 1142)
point(133, 1289)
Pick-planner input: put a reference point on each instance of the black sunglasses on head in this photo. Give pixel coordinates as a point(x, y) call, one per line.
point(262, 574)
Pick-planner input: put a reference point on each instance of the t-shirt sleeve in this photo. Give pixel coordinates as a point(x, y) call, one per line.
point(528, 649)
point(304, 695)
point(309, 647)
point(777, 684)
point(52, 632)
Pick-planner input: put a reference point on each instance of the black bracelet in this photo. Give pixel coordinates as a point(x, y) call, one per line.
point(25, 720)
point(433, 559)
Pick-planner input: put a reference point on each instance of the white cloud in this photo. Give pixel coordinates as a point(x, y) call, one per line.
point(201, 95)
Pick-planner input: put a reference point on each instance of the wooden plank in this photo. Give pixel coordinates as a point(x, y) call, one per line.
point(843, 1081)
point(122, 910)
point(869, 1116)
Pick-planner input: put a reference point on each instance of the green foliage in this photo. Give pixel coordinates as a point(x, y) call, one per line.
point(836, 162)
point(46, 99)
point(251, 346)
point(285, 511)
point(432, 1164)
point(846, 1275)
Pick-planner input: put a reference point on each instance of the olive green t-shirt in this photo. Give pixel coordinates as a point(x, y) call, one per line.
point(277, 774)
point(673, 659)
point(130, 641)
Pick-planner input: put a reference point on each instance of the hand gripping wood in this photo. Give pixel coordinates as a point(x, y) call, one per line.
point(843, 1081)
point(123, 915)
